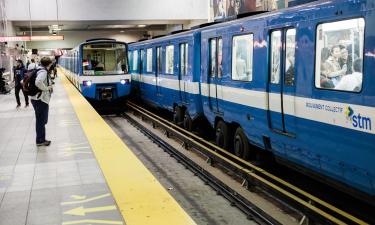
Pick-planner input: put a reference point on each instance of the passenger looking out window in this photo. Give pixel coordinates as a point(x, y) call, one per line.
point(338, 45)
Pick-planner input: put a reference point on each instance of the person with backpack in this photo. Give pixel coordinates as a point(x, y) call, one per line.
point(19, 73)
point(40, 101)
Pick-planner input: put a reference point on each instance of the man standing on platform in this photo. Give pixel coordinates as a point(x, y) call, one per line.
point(41, 100)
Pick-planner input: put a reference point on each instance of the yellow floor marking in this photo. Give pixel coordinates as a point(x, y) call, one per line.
point(87, 200)
point(92, 221)
point(81, 211)
point(139, 196)
point(78, 197)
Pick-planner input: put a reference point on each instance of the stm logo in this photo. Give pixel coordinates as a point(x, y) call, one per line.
point(357, 120)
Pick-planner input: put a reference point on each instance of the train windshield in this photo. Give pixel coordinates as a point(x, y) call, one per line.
point(104, 59)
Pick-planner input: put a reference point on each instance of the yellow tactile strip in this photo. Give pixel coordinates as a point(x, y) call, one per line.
point(140, 197)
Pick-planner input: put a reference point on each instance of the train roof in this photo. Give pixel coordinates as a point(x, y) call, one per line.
point(249, 16)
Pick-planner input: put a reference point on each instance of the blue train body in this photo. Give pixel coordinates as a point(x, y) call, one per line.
point(99, 69)
point(310, 119)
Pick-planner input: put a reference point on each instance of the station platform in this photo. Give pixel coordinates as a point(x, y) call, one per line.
point(86, 176)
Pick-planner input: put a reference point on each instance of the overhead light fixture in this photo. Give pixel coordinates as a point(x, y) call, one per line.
point(141, 25)
point(121, 31)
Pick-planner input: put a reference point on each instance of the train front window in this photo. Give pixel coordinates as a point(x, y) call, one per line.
point(104, 58)
point(339, 55)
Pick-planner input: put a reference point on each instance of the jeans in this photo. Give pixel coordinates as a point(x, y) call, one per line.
point(41, 119)
point(17, 90)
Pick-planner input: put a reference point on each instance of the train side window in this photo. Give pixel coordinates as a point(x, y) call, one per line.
point(213, 57)
point(141, 62)
point(149, 60)
point(169, 59)
point(135, 60)
point(183, 59)
point(339, 55)
point(242, 57)
point(275, 56)
point(220, 57)
point(158, 59)
point(290, 51)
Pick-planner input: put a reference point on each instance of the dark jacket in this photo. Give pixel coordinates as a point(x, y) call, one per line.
point(19, 74)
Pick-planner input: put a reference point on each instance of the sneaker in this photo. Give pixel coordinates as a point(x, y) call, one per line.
point(27, 105)
point(45, 143)
point(18, 106)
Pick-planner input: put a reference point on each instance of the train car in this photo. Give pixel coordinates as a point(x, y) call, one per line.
point(298, 83)
point(166, 74)
point(99, 69)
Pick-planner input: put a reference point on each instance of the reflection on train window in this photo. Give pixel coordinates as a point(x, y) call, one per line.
point(184, 59)
point(135, 60)
point(158, 59)
point(169, 58)
point(275, 56)
point(104, 58)
point(339, 51)
point(290, 52)
point(149, 60)
point(216, 57)
point(213, 58)
point(242, 57)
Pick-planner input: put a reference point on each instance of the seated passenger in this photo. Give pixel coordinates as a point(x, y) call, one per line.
point(352, 82)
point(332, 69)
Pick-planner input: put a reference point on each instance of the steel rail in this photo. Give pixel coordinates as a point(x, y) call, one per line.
point(252, 211)
point(249, 171)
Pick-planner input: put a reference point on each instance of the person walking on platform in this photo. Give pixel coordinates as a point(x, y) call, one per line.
point(19, 73)
point(41, 100)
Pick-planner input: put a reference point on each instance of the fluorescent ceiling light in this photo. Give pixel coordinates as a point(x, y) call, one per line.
point(141, 25)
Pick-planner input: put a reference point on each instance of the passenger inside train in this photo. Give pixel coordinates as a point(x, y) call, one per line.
point(339, 44)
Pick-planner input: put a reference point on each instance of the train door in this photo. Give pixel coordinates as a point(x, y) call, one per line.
point(281, 95)
point(183, 71)
point(215, 73)
point(158, 70)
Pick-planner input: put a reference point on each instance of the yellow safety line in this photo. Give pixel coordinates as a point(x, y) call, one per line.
point(297, 199)
point(138, 194)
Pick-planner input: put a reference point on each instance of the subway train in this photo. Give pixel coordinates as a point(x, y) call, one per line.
point(298, 82)
point(99, 69)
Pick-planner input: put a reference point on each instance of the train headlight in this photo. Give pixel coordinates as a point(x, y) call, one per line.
point(124, 81)
point(87, 83)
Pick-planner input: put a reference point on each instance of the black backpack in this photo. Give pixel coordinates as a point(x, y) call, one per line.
point(28, 85)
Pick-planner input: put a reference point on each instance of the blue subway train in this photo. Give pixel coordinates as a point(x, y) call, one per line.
point(298, 82)
point(99, 69)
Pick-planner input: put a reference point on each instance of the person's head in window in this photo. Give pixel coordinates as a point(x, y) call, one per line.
point(335, 52)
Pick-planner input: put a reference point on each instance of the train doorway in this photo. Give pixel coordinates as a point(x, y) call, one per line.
point(281, 95)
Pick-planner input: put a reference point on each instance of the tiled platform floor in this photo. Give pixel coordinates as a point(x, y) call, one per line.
point(59, 184)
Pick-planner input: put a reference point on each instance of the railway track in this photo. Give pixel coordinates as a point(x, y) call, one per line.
point(252, 177)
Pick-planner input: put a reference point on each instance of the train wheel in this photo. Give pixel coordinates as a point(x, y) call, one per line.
point(188, 122)
point(178, 115)
point(222, 137)
point(241, 144)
